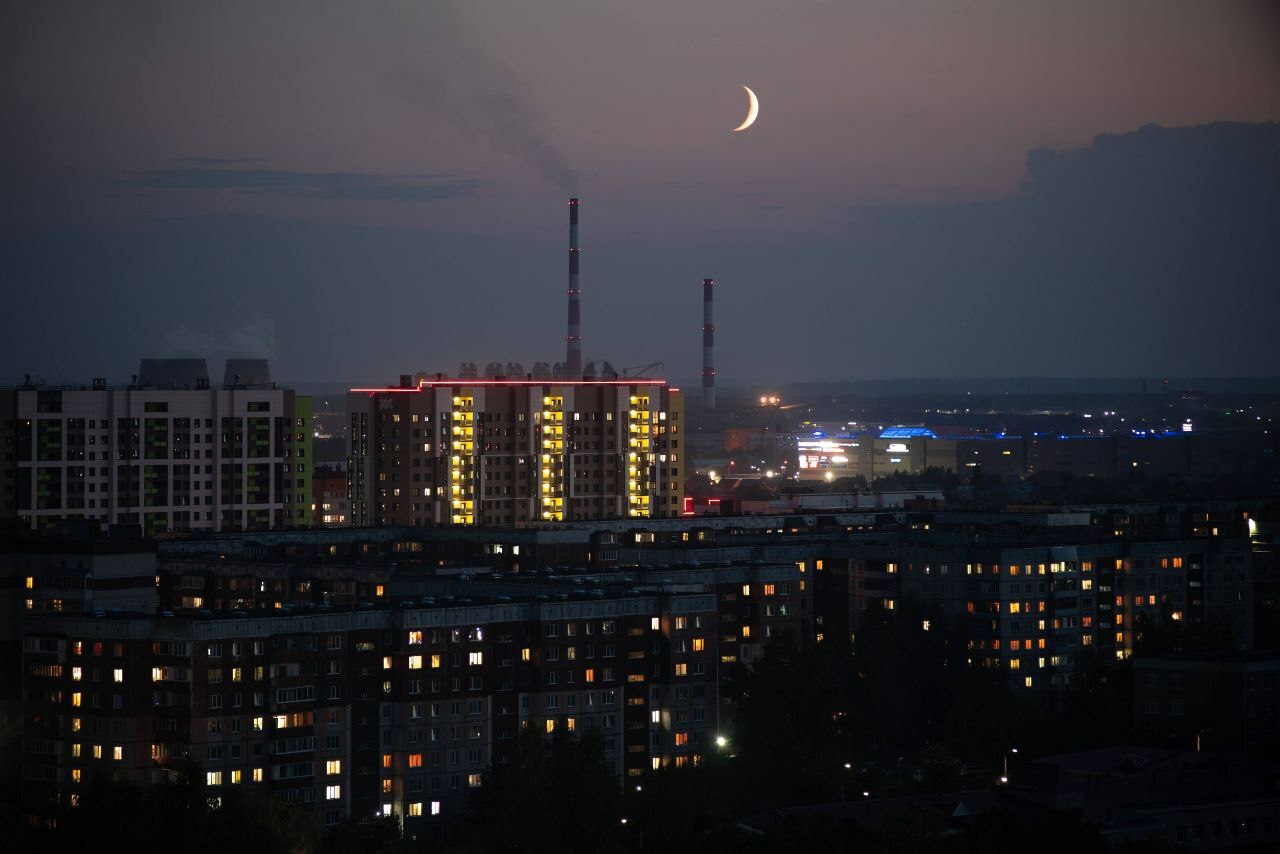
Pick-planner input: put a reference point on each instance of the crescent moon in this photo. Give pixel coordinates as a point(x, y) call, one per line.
point(752, 111)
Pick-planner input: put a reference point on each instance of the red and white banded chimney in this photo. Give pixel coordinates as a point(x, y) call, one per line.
point(708, 347)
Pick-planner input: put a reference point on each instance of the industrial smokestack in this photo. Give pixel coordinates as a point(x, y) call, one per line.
point(708, 347)
point(573, 341)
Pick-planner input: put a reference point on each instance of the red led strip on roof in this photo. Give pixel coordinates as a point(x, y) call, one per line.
point(451, 383)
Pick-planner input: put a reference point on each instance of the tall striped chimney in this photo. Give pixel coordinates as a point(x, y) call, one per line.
point(708, 347)
point(573, 341)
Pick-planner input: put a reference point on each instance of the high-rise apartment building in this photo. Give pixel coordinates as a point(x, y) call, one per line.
point(167, 452)
point(515, 452)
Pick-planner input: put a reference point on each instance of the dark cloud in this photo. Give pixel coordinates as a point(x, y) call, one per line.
point(1146, 253)
point(356, 186)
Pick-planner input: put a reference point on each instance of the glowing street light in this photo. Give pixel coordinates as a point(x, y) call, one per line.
point(721, 741)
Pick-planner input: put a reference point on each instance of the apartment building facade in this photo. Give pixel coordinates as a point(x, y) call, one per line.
point(168, 459)
point(1032, 609)
point(363, 712)
point(515, 453)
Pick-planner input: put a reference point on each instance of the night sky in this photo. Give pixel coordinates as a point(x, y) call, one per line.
point(360, 189)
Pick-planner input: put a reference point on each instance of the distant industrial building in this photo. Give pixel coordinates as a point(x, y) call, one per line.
point(168, 452)
point(913, 450)
point(515, 452)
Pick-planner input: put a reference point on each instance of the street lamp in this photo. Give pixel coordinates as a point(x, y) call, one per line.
point(721, 741)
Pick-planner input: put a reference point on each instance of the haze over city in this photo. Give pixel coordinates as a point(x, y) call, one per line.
point(931, 188)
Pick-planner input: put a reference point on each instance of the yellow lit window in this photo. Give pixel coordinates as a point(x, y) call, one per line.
point(75, 724)
point(415, 808)
point(31, 583)
point(117, 753)
point(415, 662)
point(570, 724)
point(551, 725)
point(76, 674)
point(257, 775)
point(333, 766)
point(236, 777)
point(769, 590)
point(682, 669)
point(75, 775)
point(746, 590)
point(213, 778)
point(699, 644)
point(386, 662)
point(386, 760)
point(746, 632)
point(378, 590)
point(75, 750)
point(524, 654)
point(415, 760)
point(257, 724)
point(415, 637)
point(435, 661)
point(97, 751)
point(386, 787)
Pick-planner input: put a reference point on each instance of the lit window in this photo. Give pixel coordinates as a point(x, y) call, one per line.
point(117, 753)
point(682, 669)
point(332, 793)
point(473, 780)
point(213, 778)
point(386, 662)
point(386, 760)
point(475, 658)
point(75, 775)
point(655, 623)
point(415, 809)
point(435, 808)
point(76, 674)
point(682, 738)
point(75, 699)
point(333, 766)
point(378, 590)
point(415, 637)
point(117, 675)
point(415, 760)
point(31, 583)
point(524, 654)
point(551, 725)
point(257, 775)
point(699, 644)
point(236, 777)
point(75, 750)
point(435, 662)
point(97, 751)
point(415, 662)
